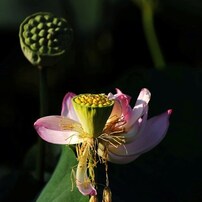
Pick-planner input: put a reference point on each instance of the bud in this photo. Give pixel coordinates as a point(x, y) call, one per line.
point(93, 199)
point(107, 195)
point(44, 38)
point(93, 110)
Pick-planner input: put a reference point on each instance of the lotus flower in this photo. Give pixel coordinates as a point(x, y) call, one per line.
point(103, 128)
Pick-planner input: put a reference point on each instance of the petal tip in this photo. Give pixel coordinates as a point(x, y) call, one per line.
point(146, 92)
point(169, 111)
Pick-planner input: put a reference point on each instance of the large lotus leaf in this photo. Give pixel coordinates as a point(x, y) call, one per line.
point(59, 187)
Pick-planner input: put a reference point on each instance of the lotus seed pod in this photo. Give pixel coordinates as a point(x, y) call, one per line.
point(92, 110)
point(44, 38)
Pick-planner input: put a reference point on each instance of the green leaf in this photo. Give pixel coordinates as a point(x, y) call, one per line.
point(59, 187)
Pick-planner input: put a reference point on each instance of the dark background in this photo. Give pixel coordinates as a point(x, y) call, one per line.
point(109, 50)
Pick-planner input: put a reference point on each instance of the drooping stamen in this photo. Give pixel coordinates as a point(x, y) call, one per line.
point(112, 133)
point(115, 125)
point(69, 124)
point(113, 140)
point(106, 173)
point(84, 183)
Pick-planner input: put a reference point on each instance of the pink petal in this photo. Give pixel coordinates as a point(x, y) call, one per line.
point(125, 104)
point(67, 107)
point(50, 129)
point(136, 129)
point(124, 100)
point(154, 131)
point(121, 159)
point(121, 106)
point(133, 132)
point(117, 109)
point(140, 106)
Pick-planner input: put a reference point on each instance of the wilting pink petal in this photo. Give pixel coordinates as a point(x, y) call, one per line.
point(140, 107)
point(117, 109)
point(67, 107)
point(52, 129)
point(154, 131)
point(121, 105)
point(121, 159)
point(125, 102)
point(137, 128)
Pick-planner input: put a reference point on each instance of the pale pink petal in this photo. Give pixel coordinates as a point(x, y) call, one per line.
point(121, 159)
point(121, 106)
point(53, 130)
point(154, 131)
point(67, 107)
point(124, 100)
point(134, 131)
point(140, 105)
point(117, 109)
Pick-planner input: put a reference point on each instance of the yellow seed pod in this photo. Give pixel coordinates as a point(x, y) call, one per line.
point(107, 195)
point(93, 110)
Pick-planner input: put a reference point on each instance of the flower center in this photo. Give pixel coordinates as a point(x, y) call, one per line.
point(93, 111)
point(93, 100)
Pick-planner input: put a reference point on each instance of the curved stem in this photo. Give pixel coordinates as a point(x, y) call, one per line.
point(147, 8)
point(43, 112)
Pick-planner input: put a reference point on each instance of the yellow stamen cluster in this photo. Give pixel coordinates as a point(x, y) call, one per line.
point(93, 100)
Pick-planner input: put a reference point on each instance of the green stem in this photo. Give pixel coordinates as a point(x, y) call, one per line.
point(43, 112)
point(147, 8)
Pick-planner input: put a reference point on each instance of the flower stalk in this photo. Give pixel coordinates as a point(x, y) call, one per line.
point(44, 40)
point(43, 91)
point(147, 8)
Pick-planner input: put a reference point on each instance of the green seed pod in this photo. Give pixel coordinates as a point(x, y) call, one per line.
point(44, 38)
point(34, 46)
point(49, 24)
point(28, 41)
point(33, 30)
point(34, 37)
point(55, 21)
point(41, 25)
point(32, 22)
point(43, 49)
point(42, 33)
point(50, 43)
point(27, 34)
point(42, 42)
point(39, 18)
point(27, 27)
